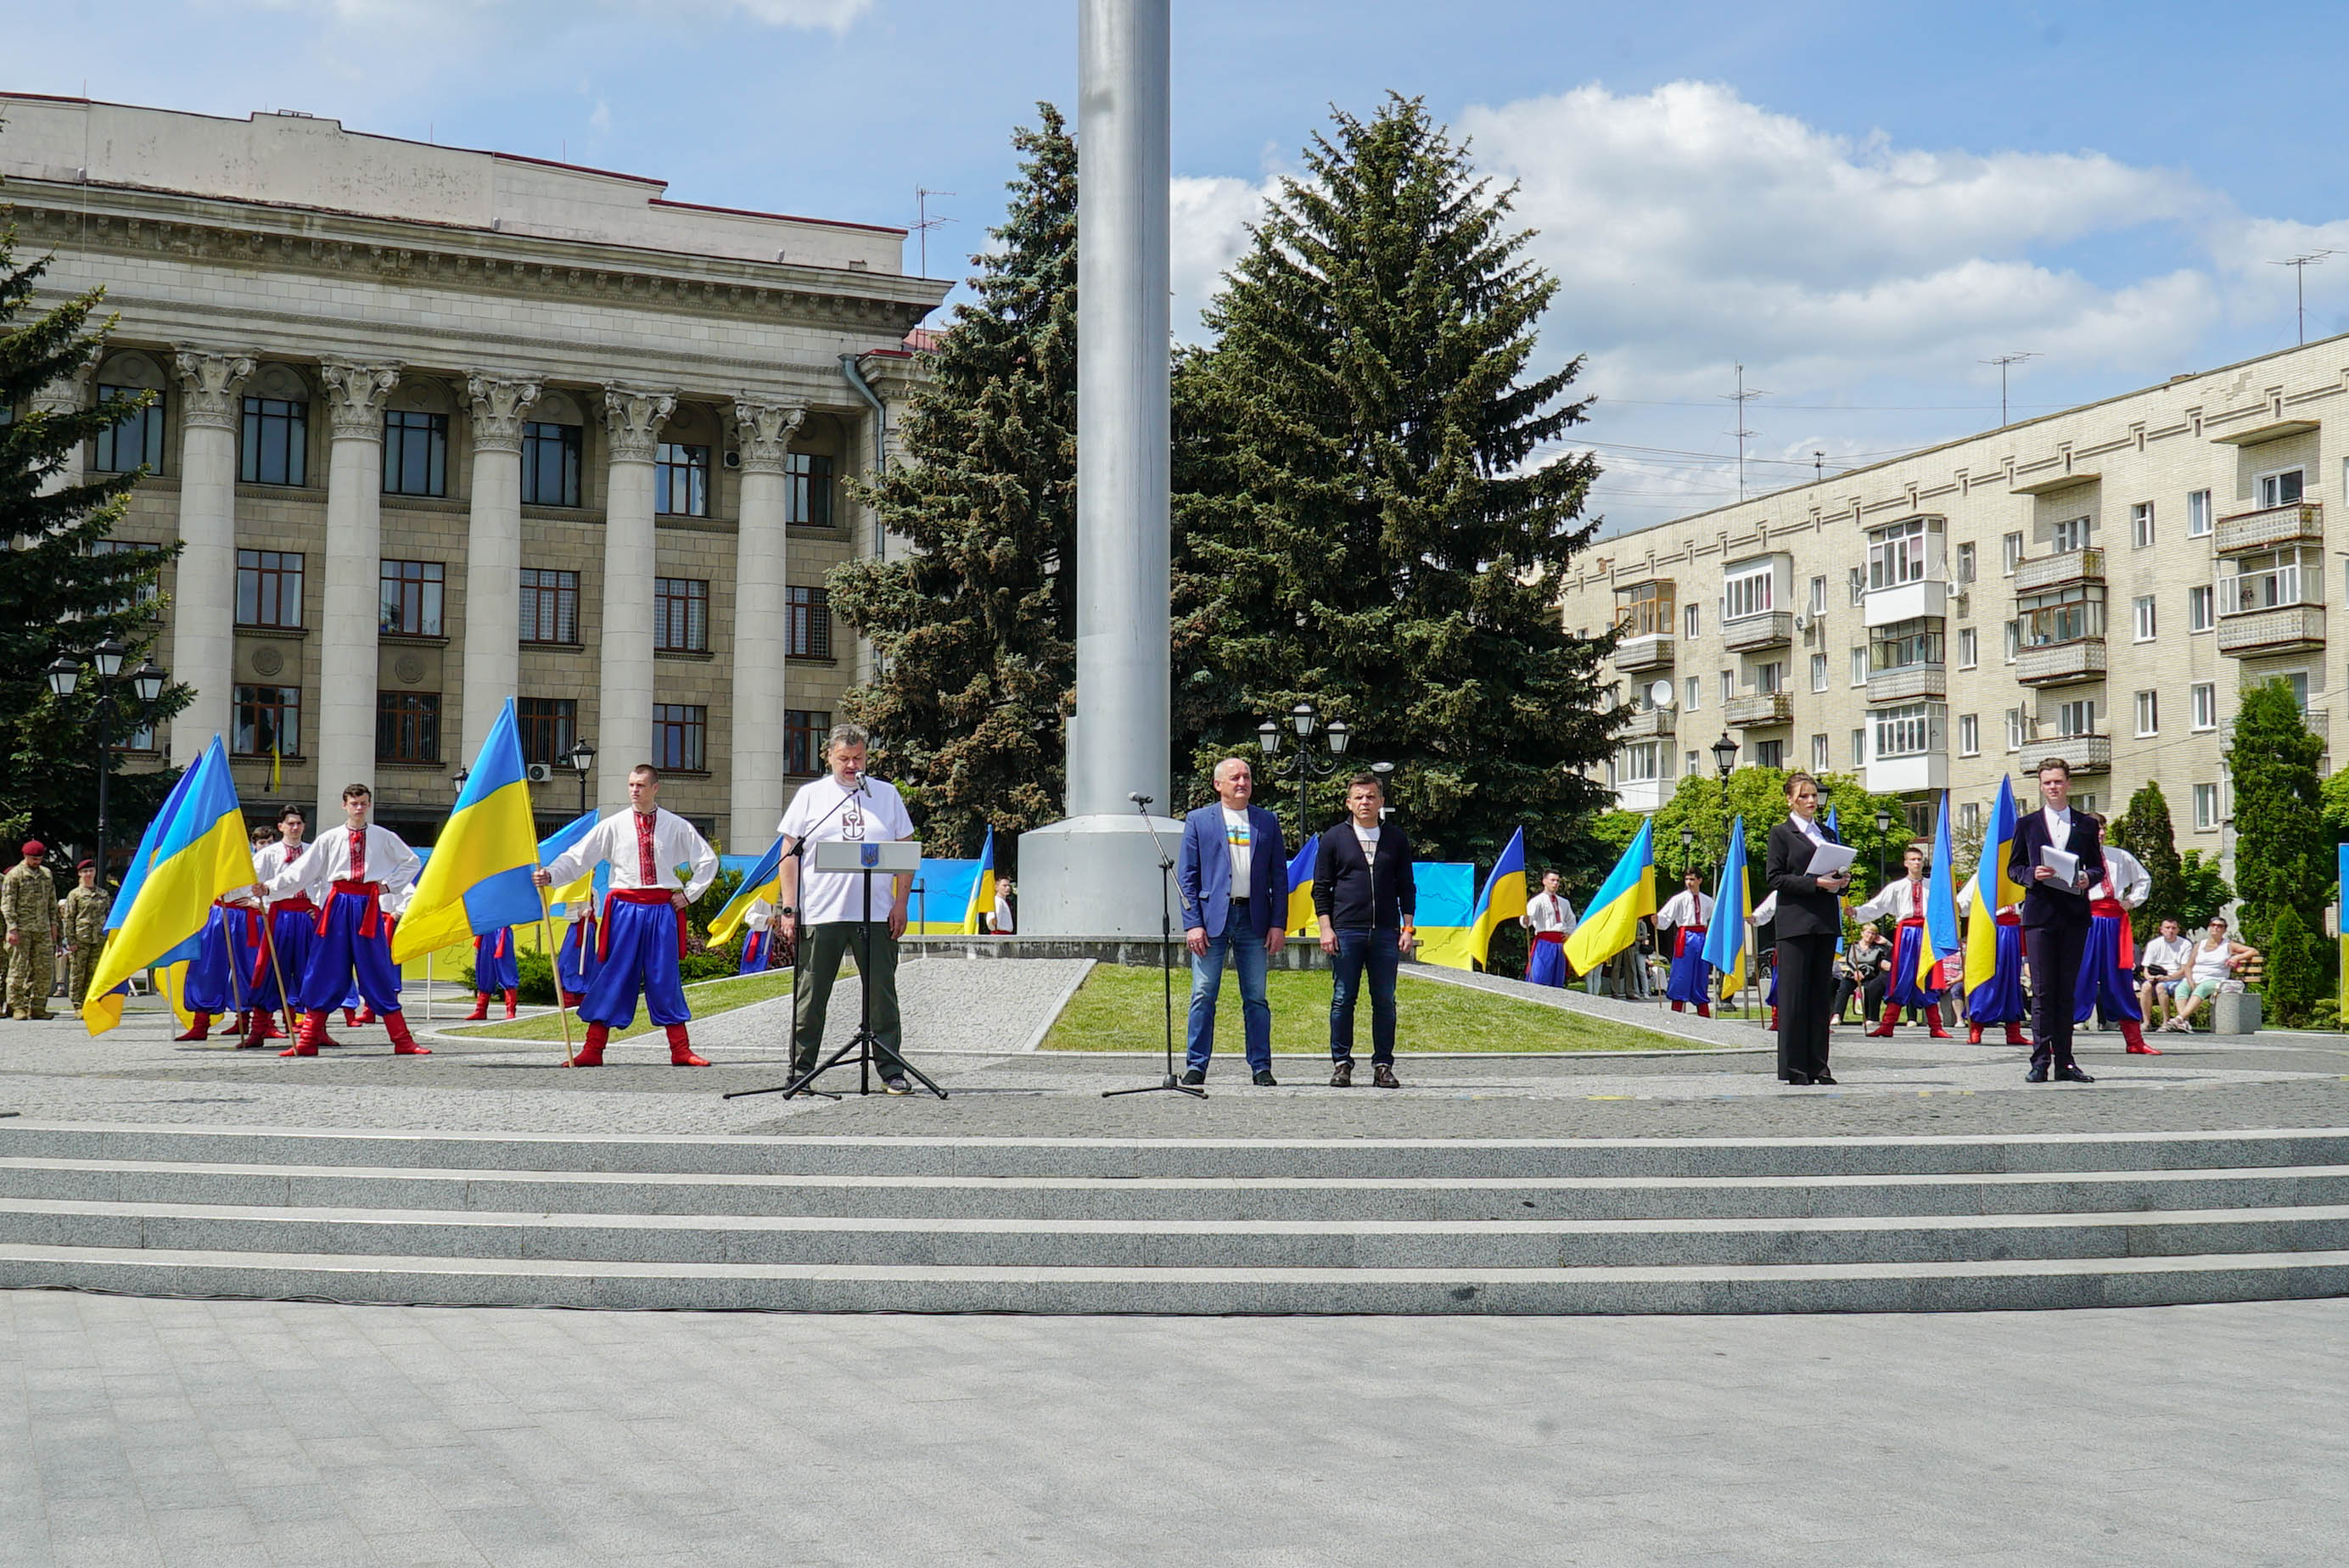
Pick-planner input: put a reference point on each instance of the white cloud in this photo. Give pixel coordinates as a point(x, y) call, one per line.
point(831, 15)
point(1209, 230)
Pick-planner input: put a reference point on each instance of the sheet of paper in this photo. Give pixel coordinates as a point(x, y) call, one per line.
point(1829, 858)
point(2066, 867)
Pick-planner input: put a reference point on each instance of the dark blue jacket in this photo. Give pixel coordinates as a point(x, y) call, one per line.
point(1204, 872)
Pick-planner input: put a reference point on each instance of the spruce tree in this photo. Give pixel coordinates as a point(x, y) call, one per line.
point(2144, 830)
point(1372, 507)
point(2284, 857)
point(59, 596)
point(975, 625)
point(2296, 977)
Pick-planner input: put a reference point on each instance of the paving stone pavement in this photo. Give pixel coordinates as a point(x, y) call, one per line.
point(159, 1432)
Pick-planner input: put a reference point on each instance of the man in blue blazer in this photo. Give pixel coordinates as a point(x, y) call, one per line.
point(2055, 917)
point(1233, 878)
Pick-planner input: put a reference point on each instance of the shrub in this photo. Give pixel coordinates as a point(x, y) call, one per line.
point(2295, 969)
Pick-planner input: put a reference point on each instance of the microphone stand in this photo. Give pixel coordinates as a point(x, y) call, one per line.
point(1165, 961)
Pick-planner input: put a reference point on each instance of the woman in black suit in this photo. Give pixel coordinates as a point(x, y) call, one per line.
point(1810, 918)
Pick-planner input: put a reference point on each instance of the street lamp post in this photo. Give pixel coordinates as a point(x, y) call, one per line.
point(582, 757)
point(1883, 828)
point(1688, 849)
point(147, 684)
point(1305, 764)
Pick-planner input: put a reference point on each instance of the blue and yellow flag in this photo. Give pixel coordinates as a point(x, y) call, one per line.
point(1733, 906)
point(1993, 890)
point(194, 852)
point(764, 880)
point(1301, 867)
point(982, 887)
point(1611, 924)
point(1504, 898)
point(478, 878)
point(1941, 943)
point(1837, 833)
point(553, 846)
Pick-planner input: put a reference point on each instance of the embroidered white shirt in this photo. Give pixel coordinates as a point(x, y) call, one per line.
point(391, 864)
point(614, 840)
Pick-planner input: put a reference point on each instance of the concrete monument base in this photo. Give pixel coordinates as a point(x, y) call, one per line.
point(1095, 876)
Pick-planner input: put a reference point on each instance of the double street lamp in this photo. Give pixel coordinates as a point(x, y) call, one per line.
point(147, 684)
point(1304, 764)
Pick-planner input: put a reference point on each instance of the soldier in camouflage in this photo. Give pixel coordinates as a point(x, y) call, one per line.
point(85, 918)
point(29, 900)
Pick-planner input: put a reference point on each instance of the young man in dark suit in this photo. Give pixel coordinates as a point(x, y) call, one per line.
point(2055, 917)
point(1232, 876)
point(1365, 896)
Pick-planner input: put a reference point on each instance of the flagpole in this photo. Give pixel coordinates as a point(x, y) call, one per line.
point(269, 943)
point(546, 939)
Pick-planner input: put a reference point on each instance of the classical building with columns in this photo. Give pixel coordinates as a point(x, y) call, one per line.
point(437, 428)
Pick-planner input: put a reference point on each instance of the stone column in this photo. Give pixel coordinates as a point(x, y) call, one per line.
point(493, 554)
point(343, 720)
point(203, 597)
point(633, 416)
point(763, 432)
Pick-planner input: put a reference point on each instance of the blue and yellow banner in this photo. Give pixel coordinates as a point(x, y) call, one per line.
point(1941, 941)
point(1611, 924)
point(1301, 867)
point(1733, 906)
point(195, 851)
point(1446, 894)
point(982, 888)
point(1504, 898)
point(762, 881)
point(478, 878)
point(1993, 889)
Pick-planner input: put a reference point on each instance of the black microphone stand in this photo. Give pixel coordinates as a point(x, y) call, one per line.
point(1165, 961)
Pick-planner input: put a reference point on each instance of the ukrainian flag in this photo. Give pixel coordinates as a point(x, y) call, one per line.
point(554, 845)
point(1733, 906)
point(478, 878)
point(1301, 867)
point(1837, 833)
point(1504, 898)
point(765, 880)
point(1993, 889)
point(1611, 924)
point(982, 887)
point(1941, 943)
point(194, 851)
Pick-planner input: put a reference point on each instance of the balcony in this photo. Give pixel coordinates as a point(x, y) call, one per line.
point(2319, 722)
point(1772, 629)
point(2086, 753)
point(2062, 664)
point(2059, 570)
point(1928, 598)
point(1907, 775)
point(1642, 794)
point(1652, 652)
point(2288, 629)
point(1909, 683)
point(1654, 724)
point(1758, 709)
point(2270, 528)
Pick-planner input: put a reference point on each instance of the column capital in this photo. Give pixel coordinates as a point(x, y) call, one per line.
point(499, 403)
point(763, 431)
point(633, 417)
point(210, 380)
point(70, 391)
point(356, 395)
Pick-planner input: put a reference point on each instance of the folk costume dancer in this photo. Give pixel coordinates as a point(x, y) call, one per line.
point(2108, 962)
point(1905, 901)
point(643, 934)
point(1999, 999)
point(1682, 925)
point(292, 930)
point(575, 963)
point(757, 943)
point(351, 873)
point(230, 958)
point(1549, 915)
point(495, 968)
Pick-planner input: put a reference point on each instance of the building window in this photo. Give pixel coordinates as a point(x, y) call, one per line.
point(2206, 807)
point(2142, 615)
point(1970, 818)
point(1819, 753)
point(2062, 614)
point(276, 447)
point(2200, 613)
point(412, 598)
point(408, 726)
point(680, 737)
point(807, 495)
point(415, 453)
point(1641, 762)
point(2014, 729)
point(681, 480)
point(1770, 677)
point(268, 720)
point(2071, 534)
point(1859, 665)
point(1905, 644)
point(2280, 489)
point(1691, 621)
point(1645, 611)
point(549, 464)
point(2198, 514)
point(1859, 748)
point(1770, 753)
point(268, 588)
point(1688, 769)
point(2202, 699)
point(2148, 713)
point(148, 594)
point(1898, 555)
point(2271, 579)
point(2013, 553)
point(807, 624)
point(1695, 693)
point(549, 728)
point(1911, 730)
point(2013, 641)
point(1728, 686)
point(1818, 672)
point(1969, 734)
point(1965, 563)
point(2141, 525)
point(680, 615)
point(1749, 592)
point(804, 730)
point(550, 606)
point(2075, 717)
point(1819, 595)
point(135, 440)
point(1968, 647)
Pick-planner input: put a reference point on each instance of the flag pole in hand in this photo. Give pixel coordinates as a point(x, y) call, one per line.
point(554, 956)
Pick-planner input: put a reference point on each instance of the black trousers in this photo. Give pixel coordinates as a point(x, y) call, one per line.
point(1807, 993)
point(2054, 954)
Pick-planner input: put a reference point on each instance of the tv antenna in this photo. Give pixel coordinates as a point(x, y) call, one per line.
point(2300, 265)
point(2004, 362)
point(924, 223)
point(1741, 397)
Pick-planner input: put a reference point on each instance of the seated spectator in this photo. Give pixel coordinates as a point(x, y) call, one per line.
point(2165, 959)
point(2213, 961)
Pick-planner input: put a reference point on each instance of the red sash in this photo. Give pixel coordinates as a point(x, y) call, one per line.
point(371, 892)
point(1680, 942)
point(2110, 909)
point(634, 895)
point(1556, 937)
point(2006, 920)
point(1915, 920)
point(298, 904)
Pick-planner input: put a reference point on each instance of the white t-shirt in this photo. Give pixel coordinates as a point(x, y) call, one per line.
point(1368, 839)
point(2169, 954)
point(1236, 839)
point(1003, 912)
point(823, 811)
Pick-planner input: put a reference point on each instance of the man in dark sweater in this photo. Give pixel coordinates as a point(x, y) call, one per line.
point(1364, 897)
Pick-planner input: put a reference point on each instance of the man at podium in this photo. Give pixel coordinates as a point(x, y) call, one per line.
point(827, 909)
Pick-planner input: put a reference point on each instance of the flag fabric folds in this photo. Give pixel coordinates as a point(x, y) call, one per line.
point(1941, 941)
point(1836, 834)
point(1724, 940)
point(763, 879)
point(478, 878)
point(1504, 897)
point(1993, 889)
point(1301, 867)
point(982, 887)
point(194, 852)
point(1610, 923)
point(554, 845)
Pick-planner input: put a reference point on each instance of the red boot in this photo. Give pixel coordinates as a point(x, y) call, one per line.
point(199, 1030)
point(2135, 1035)
point(591, 1055)
point(571, 999)
point(1973, 1033)
point(1883, 1030)
point(481, 1008)
point(680, 1048)
point(265, 1027)
point(403, 1044)
point(1774, 1017)
point(2014, 1034)
point(1680, 1006)
point(1704, 1009)
point(1933, 1023)
point(314, 1030)
point(367, 1015)
point(244, 1021)
point(510, 999)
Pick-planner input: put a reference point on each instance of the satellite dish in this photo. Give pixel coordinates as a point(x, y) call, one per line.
point(1661, 694)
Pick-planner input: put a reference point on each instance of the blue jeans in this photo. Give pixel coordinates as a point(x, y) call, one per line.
point(1245, 949)
point(1381, 954)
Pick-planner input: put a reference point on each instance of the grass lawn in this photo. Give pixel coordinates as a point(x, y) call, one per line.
point(708, 997)
point(1118, 1008)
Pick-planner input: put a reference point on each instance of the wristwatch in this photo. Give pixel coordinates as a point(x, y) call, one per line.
point(788, 909)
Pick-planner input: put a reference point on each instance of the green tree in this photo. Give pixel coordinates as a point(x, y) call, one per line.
point(60, 596)
point(2296, 979)
point(2202, 891)
point(2284, 859)
point(976, 623)
point(2144, 830)
point(1373, 507)
point(1759, 795)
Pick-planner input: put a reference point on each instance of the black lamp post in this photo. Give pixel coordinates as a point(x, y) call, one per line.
point(1385, 770)
point(1883, 831)
point(582, 757)
point(1724, 757)
point(1304, 764)
point(1688, 849)
point(147, 684)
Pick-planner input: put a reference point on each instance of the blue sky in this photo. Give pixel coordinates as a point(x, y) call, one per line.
point(1860, 203)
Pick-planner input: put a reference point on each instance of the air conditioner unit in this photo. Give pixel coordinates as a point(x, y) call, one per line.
point(539, 773)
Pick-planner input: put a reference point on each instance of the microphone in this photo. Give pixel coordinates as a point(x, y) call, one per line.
point(1138, 797)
